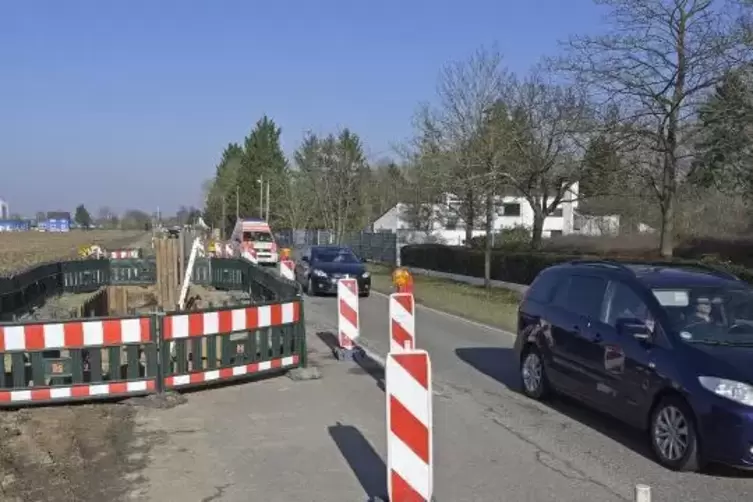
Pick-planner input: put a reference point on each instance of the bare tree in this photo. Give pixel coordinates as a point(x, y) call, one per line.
point(548, 125)
point(467, 91)
point(657, 61)
point(463, 146)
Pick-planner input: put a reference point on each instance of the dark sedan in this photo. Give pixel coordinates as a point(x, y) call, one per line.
point(320, 267)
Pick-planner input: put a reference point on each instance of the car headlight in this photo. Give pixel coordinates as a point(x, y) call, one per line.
point(319, 273)
point(365, 275)
point(736, 391)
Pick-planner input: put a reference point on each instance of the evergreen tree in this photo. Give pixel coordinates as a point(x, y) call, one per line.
point(723, 153)
point(262, 159)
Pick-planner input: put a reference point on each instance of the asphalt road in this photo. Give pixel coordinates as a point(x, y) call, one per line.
point(492, 443)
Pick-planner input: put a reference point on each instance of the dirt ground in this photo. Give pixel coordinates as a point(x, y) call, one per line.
point(19, 250)
point(67, 453)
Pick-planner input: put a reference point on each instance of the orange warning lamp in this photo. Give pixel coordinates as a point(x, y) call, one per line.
point(285, 253)
point(403, 280)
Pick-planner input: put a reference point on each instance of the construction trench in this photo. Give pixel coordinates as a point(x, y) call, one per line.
point(85, 452)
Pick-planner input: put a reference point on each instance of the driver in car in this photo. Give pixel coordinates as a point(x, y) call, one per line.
point(702, 312)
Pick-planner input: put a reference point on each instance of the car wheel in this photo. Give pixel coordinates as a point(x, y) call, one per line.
point(673, 435)
point(310, 287)
point(533, 374)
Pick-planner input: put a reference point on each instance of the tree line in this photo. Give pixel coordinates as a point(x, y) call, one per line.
point(655, 111)
point(131, 219)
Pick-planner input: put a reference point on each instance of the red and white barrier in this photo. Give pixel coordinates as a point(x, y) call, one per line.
point(410, 462)
point(402, 322)
point(347, 313)
point(123, 254)
point(249, 254)
point(287, 269)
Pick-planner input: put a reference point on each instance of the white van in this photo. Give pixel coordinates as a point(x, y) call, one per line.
point(255, 233)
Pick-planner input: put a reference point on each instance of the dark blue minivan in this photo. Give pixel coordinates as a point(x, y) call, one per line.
point(668, 349)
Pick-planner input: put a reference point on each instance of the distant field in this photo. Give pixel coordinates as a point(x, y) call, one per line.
point(22, 249)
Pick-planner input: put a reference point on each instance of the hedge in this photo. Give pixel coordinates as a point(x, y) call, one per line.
point(518, 267)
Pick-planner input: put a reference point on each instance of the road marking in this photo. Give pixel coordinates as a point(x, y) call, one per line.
point(458, 318)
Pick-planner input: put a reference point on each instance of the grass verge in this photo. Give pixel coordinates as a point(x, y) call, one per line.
point(496, 307)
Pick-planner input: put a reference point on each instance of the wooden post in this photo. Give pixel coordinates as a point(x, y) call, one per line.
point(182, 255)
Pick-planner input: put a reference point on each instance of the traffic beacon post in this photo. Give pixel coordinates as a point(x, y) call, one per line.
point(403, 280)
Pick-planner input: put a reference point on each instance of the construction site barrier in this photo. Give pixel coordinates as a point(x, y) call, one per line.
point(287, 269)
point(122, 254)
point(224, 344)
point(347, 313)
point(402, 311)
point(410, 455)
point(77, 359)
point(114, 356)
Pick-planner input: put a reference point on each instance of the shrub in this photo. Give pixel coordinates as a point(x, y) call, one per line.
point(522, 268)
point(512, 239)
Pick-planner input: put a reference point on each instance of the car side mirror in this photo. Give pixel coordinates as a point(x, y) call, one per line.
point(634, 328)
point(363, 260)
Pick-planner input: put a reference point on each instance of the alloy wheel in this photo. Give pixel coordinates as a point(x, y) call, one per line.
point(671, 433)
point(532, 372)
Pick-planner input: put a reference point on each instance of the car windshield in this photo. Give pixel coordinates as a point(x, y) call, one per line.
point(335, 256)
point(257, 237)
point(710, 315)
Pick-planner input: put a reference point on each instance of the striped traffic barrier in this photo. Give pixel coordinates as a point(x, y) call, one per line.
point(250, 255)
point(76, 334)
point(348, 326)
point(287, 269)
point(123, 254)
point(402, 322)
point(410, 462)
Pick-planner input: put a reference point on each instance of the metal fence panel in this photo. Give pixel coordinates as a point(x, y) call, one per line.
point(80, 359)
point(224, 344)
point(380, 247)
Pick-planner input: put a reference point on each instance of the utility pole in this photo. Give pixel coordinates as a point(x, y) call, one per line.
point(224, 218)
point(261, 196)
point(267, 218)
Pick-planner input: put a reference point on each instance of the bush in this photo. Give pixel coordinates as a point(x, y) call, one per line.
point(512, 239)
point(522, 268)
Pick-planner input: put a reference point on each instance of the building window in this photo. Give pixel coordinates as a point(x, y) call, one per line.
point(555, 233)
point(451, 223)
point(511, 209)
point(557, 213)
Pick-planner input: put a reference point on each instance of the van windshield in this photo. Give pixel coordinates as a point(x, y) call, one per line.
point(257, 237)
point(710, 315)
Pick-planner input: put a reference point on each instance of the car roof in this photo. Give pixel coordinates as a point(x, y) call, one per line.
point(656, 275)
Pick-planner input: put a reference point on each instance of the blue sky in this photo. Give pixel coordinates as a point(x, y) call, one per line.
point(130, 103)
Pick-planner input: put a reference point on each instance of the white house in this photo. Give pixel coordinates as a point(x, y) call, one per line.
point(511, 211)
point(4, 210)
